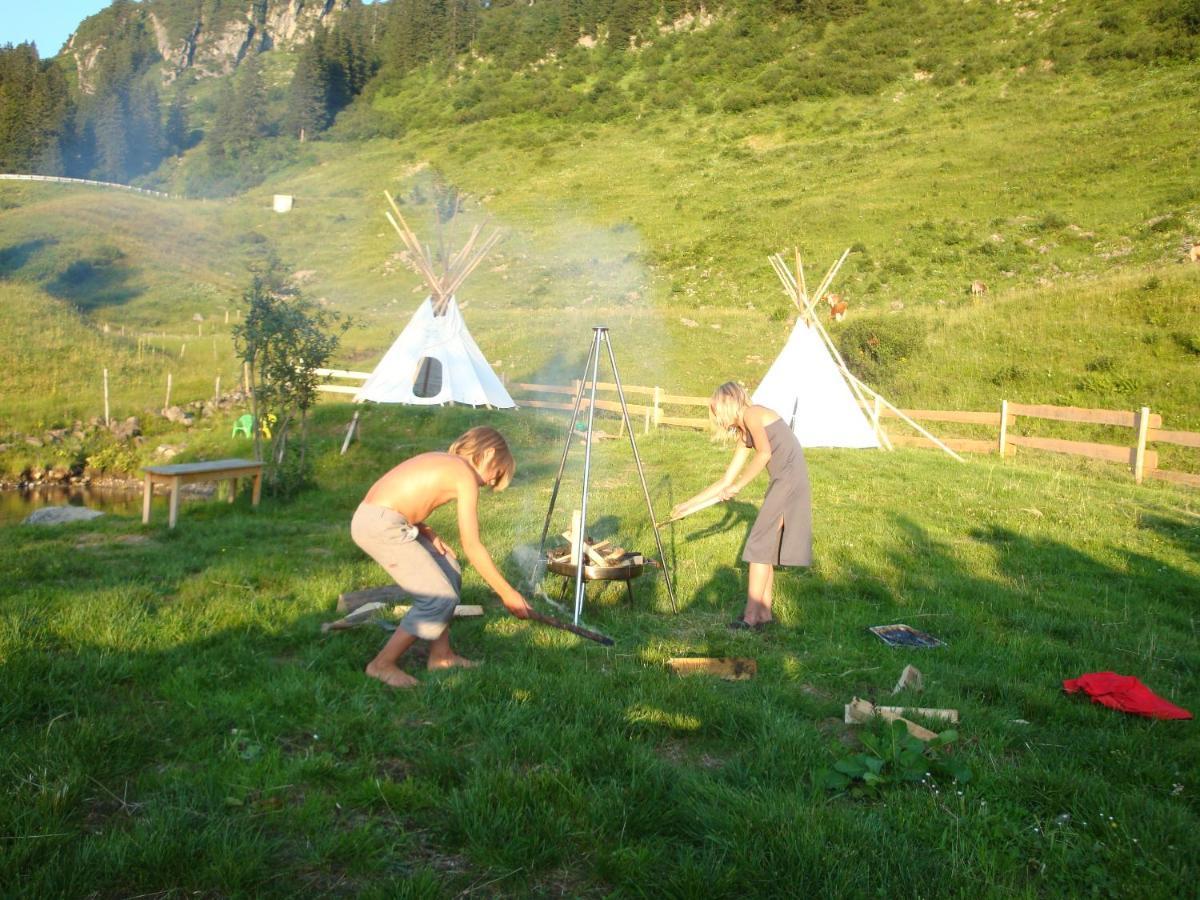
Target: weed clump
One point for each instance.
(876, 347)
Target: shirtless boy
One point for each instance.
(389, 526)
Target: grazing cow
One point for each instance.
(837, 307)
(1194, 253)
(978, 288)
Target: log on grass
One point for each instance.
(730, 668)
(391, 594)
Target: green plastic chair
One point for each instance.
(244, 425)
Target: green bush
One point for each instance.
(876, 347)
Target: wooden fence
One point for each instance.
(1138, 455)
(654, 407)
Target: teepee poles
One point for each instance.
(806, 312)
(899, 413)
(456, 270)
(860, 389)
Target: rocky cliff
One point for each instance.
(208, 37)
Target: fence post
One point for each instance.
(1139, 452)
(167, 405)
(107, 421)
(657, 410)
(246, 377)
(217, 391)
(1003, 427)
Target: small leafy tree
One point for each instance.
(284, 339)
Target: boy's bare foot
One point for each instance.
(452, 661)
(391, 675)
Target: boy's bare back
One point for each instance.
(418, 486)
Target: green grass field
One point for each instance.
(174, 722)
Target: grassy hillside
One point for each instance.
(173, 719)
(1069, 195)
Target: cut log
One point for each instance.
(729, 668)
(909, 678)
(859, 712)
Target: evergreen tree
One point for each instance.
(144, 128)
(112, 148)
(175, 134)
(217, 138)
(248, 112)
(306, 109)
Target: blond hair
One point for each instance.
(725, 408)
(472, 444)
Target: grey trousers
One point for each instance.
(433, 581)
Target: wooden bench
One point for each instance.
(185, 473)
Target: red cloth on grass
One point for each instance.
(1126, 693)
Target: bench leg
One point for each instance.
(232, 489)
(147, 493)
(257, 495)
(174, 503)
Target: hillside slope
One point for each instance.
(1070, 196)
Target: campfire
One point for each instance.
(602, 560)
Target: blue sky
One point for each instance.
(48, 22)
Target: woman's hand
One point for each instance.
(729, 491)
(679, 511)
(516, 605)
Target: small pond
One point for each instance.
(15, 505)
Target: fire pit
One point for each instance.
(604, 562)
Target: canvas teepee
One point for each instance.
(435, 360)
(810, 385)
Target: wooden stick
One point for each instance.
(829, 276)
(803, 282)
(576, 536)
(1139, 450)
(535, 616)
(107, 420)
(711, 501)
(924, 433)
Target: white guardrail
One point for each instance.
(107, 184)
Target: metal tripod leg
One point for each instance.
(599, 333)
(562, 463)
(641, 473)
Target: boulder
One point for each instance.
(60, 515)
(179, 415)
(130, 428)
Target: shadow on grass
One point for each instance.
(15, 256)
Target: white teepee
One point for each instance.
(810, 385)
(435, 360)
(806, 387)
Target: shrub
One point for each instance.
(876, 347)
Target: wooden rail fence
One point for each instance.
(1138, 455)
(655, 407)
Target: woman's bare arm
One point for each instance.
(740, 455)
(753, 420)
